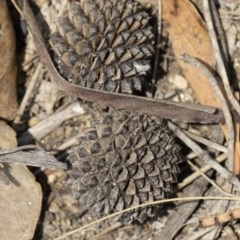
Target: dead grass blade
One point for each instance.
(184, 199)
(228, 117)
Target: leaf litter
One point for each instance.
(62, 213)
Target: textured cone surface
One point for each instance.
(104, 44)
(122, 161)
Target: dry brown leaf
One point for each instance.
(189, 34)
(21, 199)
(8, 69)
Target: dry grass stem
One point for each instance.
(205, 156)
(192, 155)
(228, 117)
(28, 63)
(206, 142)
(221, 67)
(69, 143)
(159, 30)
(208, 179)
(16, 6)
(28, 93)
(221, 35)
(196, 174)
(185, 199)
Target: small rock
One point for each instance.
(231, 37)
(186, 97)
(178, 81)
(47, 97)
(33, 121)
(170, 94)
(176, 98)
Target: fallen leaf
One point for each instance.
(8, 69)
(21, 199)
(188, 34)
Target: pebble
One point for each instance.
(178, 81)
(231, 38)
(33, 121)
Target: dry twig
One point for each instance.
(46, 126)
(210, 15)
(221, 66)
(196, 174)
(184, 211)
(185, 199)
(206, 142)
(32, 156)
(17, 7)
(208, 179)
(28, 93)
(228, 117)
(205, 156)
(159, 24)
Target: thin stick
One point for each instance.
(31, 156)
(205, 156)
(185, 199)
(159, 29)
(16, 6)
(197, 169)
(221, 66)
(195, 175)
(206, 142)
(28, 93)
(69, 142)
(47, 125)
(221, 36)
(228, 117)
